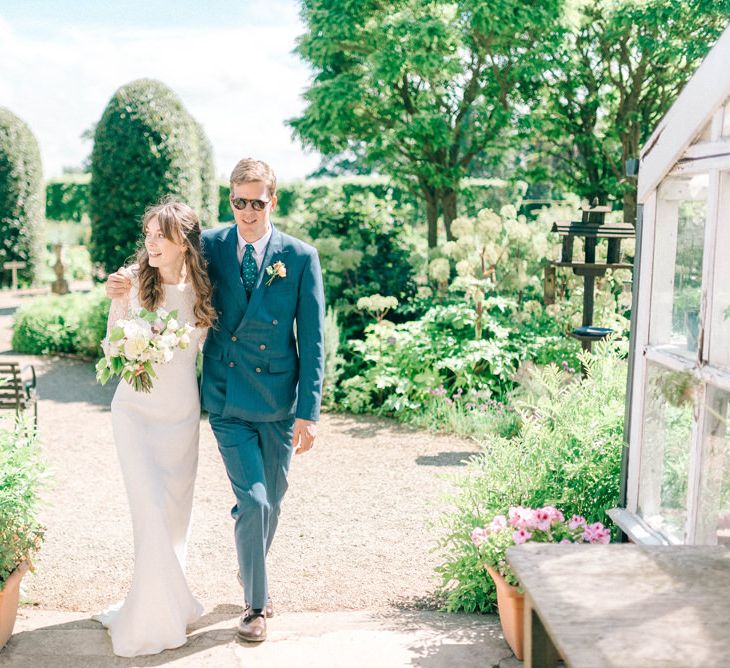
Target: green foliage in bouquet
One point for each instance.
(21, 194)
(567, 454)
(22, 475)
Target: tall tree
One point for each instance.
(612, 78)
(421, 88)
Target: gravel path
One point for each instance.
(354, 531)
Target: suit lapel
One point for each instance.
(274, 251)
(228, 248)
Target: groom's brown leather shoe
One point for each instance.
(268, 610)
(252, 626)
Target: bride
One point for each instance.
(156, 438)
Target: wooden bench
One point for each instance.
(18, 388)
(624, 605)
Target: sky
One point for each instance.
(231, 63)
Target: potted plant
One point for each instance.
(523, 525)
(21, 477)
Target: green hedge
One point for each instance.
(146, 146)
(67, 198)
(21, 196)
(73, 323)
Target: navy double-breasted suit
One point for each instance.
(263, 365)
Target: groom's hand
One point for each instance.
(305, 431)
(118, 284)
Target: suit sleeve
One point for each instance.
(310, 336)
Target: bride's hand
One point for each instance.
(119, 283)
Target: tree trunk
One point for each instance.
(448, 205)
(630, 205)
(432, 215)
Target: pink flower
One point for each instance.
(565, 541)
(521, 517)
(597, 533)
(498, 523)
(521, 536)
(576, 522)
(555, 515)
(479, 535)
(543, 519)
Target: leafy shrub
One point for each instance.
(67, 198)
(21, 479)
(332, 359)
(363, 250)
(146, 146)
(403, 369)
(21, 194)
(73, 323)
(567, 455)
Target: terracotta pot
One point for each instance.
(9, 602)
(511, 605)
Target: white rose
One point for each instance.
(168, 340)
(135, 345)
(172, 325)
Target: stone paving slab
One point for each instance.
(49, 639)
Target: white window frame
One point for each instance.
(712, 155)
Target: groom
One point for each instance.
(262, 380)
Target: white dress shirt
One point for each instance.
(259, 247)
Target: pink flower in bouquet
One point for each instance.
(521, 536)
(576, 521)
(597, 533)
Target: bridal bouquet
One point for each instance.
(137, 342)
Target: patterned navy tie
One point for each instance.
(249, 270)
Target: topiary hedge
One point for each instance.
(146, 146)
(21, 196)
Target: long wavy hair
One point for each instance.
(178, 223)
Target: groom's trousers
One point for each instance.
(256, 456)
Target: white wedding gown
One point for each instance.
(156, 438)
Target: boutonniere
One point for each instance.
(276, 270)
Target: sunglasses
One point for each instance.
(256, 204)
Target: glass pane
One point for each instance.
(668, 424)
(679, 248)
(713, 525)
(719, 353)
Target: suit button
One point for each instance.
(262, 346)
(275, 322)
(234, 338)
(258, 369)
(231, 364)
